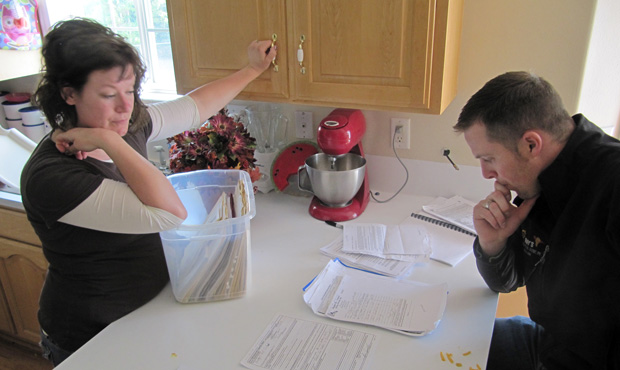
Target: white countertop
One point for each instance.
(285, 243)
(10, 200)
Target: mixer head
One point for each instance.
(341, 131)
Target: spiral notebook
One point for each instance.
(456, 210)
(442, 223)
(450, 244)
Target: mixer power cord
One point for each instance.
(406, 173)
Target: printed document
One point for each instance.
(456, 210)
(448, 245)
(293, 344)
(404, 306)
(405, 242)
(388, 267)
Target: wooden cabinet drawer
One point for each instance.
(22, 273)
(15, 225)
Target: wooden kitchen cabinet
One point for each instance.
(22, 273)
(210, 39)
(6, 321)
(373, 54)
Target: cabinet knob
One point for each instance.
(300, 54)
(274, 37)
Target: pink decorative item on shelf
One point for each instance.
(19, 29)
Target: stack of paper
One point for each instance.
(212, 266)
(456, 210)
(449, 245)
(386, 249)
(404, 306)
(388, 267)
(392, 250)
(405, 242)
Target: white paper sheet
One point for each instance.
(405, 242)
(456, 210)
(407, 239)
(405, 306)
(448, 246)
(364, 238)
(388, 267)
(290, 344)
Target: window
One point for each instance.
(144, 23)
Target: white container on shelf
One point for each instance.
(33, 124)
(34, 132)
(11, 111)
(3, 123)
(14, 123)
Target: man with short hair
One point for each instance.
(560, 237)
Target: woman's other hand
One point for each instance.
(77, 142)
(145, 180)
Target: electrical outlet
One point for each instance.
(303, 125)
(401, 141)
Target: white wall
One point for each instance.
(600, 95)
(18, 63)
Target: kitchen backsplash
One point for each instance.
(429, 134)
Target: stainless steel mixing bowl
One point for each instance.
(335, 179)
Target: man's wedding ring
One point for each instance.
(487, 204)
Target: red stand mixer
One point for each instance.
(339, 169)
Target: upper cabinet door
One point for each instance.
(397, 55)
(383, 54)
(210, 40)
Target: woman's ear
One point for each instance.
(531, 143)
(68, 95)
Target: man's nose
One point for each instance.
(488, 173)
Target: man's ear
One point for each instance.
(68, 94)
(531, 143)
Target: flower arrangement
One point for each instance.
(221, 143)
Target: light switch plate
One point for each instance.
(304, 128)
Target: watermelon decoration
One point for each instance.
(289, 159)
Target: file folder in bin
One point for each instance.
(210, 260)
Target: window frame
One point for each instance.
(147, 48)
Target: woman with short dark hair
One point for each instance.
(94, 199)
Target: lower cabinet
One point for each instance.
(22, 273)
(6, 321)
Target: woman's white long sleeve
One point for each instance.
(114, 207)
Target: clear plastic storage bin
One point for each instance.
(210, 260)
